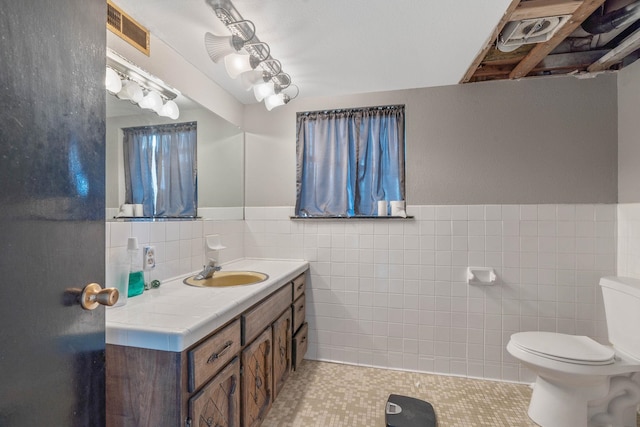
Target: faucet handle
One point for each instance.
(213, 264)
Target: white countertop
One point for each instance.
(176, 316)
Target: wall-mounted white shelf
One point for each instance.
(212, 243)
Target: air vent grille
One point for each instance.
(127, 28)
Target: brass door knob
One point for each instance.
(93, 295)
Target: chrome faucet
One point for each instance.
(208, 270)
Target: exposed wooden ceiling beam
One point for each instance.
(543, 49)
(627, 46)
(542, 8)
(487, 45)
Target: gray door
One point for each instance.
(52, 65)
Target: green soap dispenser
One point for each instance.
(136, 275)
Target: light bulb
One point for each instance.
(169, 109)
(250, 78)
(236, 64)
(274, 101)
(131, 91)
(112, 81)
(263, 90)
(152, 101)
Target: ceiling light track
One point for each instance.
(249, 58)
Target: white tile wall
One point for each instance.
(629, 239)
(392, 293)
(179, 244)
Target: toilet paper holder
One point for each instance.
(481, 276)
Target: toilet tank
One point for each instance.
(621, 297)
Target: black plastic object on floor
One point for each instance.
(403, 411)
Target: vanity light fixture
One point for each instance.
(139, 86)
(246, 56)
(279, 99)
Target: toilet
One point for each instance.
(580, 382)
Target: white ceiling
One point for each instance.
(337, 47)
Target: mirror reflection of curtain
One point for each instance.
(161, 169)
(348, 160)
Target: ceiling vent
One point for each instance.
(118, 22)
(539, 30)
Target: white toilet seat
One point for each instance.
(579, 350)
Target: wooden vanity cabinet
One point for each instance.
(228, 379)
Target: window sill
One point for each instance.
(350, 218)
(152, 219)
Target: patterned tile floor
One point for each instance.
(322, 394)
(335, 395)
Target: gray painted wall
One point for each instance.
(629, 134)
(548, 140)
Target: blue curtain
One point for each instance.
(348, 160)
(161, 169)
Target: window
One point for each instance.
(348, 160)
(160, 169)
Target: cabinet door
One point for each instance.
(257, 392)
(300, 343)
(218, 403)
(281, 351)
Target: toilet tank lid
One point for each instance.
(628, 285)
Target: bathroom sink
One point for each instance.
(228, 278)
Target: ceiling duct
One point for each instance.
(598, 23)
(127, 28)
(528, 31)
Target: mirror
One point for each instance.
(220, 156)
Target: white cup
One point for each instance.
(397, 208)
(118, 277)
(126, 210)
(138, 210)
(383, 209)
